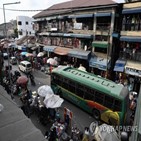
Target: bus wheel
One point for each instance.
(96, 114)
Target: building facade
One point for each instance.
(129, 61)
(82, 33)
(103, 36)
(25, 26)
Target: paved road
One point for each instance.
(80, 118)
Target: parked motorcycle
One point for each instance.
(32, 79)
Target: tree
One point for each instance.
(16, 32)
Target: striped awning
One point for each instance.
(49, 48)
(61, 50)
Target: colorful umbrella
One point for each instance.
(22, 80)
(40, 54)
(29, 55)
(52, 62)
(23, 53)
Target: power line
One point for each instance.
(49, 9)
(36, 10)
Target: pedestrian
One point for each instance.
(133, 103)
(86, 134)
(53, 135)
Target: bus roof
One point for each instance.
(93, 81)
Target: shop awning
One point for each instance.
(130, 39)
(119, 65)
(34, 48)
(133, 68)
(131, 11)
(56, 34)
(79, 54)
(102, 14)
(82, 36)
(98, 62)
(61, 50)
(44, 33)
(21, 48)
(115, 35)
(49, 48)
(100, 44)
(81, 16)
(84, 16)
(67, 35)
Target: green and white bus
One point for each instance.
(104, 99)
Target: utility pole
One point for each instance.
(7, 46)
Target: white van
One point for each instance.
(25, 66)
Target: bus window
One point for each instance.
(108, 102)
(117, 105)
(80, 90)
(55, 79)
(71, 86)
(88, 96)
(99, 97)
(65, 83)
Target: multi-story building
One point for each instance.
(25, 26)
(10, 27)
(129, 59)
(81, 32)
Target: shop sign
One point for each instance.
(135, 71)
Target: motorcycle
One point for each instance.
(32, 80)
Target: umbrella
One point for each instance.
(82, 68)
(40, 54)
(52, 62)
(23, 53)
(45, 91)
(29, 55)
(55, 101)
(106, 132)
(22, 80)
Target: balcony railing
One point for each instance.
(130, 56)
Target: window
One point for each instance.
(71, 86)
(118, 105)
(26, 23)
(88, 96)
(99, 97)
(19, 23)
(89, 93)
(20, 32)
(108, 102)
(65, 83)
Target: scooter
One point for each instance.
(32, 80)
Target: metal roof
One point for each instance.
(65, 7)
(14, 125)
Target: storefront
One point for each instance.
(133, 70)
(80, 57)
(119, 65)
(99, 65)
(49, 49)
(62, 54)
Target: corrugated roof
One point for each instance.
(24, 39)
(14, 125)
(66, 6)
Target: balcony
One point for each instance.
(128, 55)
(90, 32)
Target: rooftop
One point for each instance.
(14, 125)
